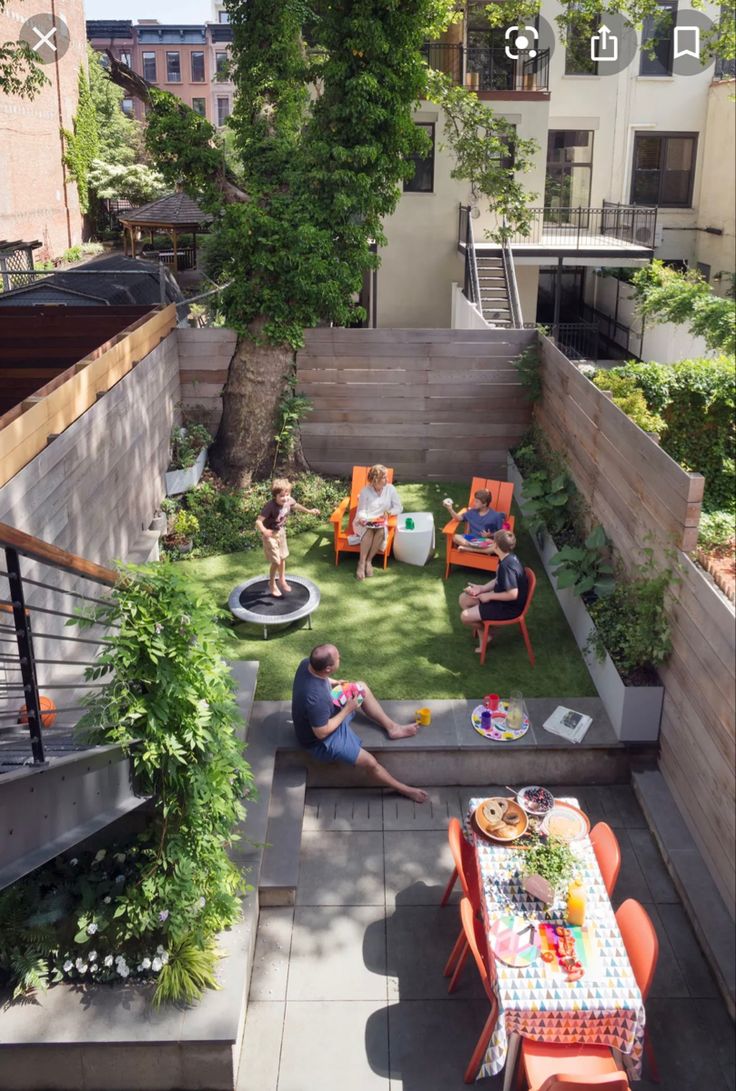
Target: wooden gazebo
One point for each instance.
(175, 214)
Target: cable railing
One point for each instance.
(43, 681)
(489, 69)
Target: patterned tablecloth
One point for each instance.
(603, 1008)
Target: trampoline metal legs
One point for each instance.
(309, 626)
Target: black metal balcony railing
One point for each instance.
(485, 69)
(611, 226)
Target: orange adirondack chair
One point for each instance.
(349, 505)
(501, 495)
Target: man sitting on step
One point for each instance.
(322, 708)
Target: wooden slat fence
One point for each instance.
(204, 360)
(434, 404)
(643, 498)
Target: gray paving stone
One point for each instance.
(343, 809)
(271, 961)
(715, 924)
(400, 813)
(656, 874)
(418, 866)
(668, 979)
(341, 869)
(440, 733)
(431, 1042)
(690, 958)
(622, 807)
(687, 1047)
(631, 881)
(261, 1050)
(420, 939)
(338, 953)
(334, 1046)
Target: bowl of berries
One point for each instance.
(536, 801)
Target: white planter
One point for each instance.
(178, 481)
(634, 711)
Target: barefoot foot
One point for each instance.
(274, 591)
(401, 731)
(417, 794)
(285, 586)
(360, 573)
(369, 569)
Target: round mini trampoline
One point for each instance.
(252, 601)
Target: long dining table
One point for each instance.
(603, 1007)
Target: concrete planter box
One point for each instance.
(634, 711)
(178, 481)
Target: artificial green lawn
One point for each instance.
(400, 630)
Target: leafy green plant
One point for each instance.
(666, 295)
(184, 525)
(628, 396)
(632, 624)
(717, 530)
(586, 569)
(528, 368)
(186, 444)
(82, 143)
(292, 409)
(551, 858)
(72, 254)
(546, 500)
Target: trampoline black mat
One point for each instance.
(257, 599)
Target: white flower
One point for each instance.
(158, 627)
(119, 958)
(146, 964)
(81, 965)
(119, 857)
(91, 929)
(156, 965)
(109, 960)
(107, 900)
(201, 903)
(160, 949)
(123, 970)
(68, 965)
(165, 957)
(163, 915)
(94, 968)
(100, 855)
(91, 957)
(74, 862)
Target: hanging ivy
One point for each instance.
(82, 144)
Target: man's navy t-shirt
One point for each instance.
(311, 704)
(511, 574)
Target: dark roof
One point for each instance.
(97, 286)
(175, 209)
(109, 28)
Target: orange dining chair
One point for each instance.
(642, 947)
(501, 495)
(466, 869)
(607, 853)
(612, 1081)
(476, 942)
(520, 621)
(348, 505)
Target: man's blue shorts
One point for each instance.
(341, 745)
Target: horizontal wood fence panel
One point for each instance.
(434, 404)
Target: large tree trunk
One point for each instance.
(245, 447)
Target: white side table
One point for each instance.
(414, 546)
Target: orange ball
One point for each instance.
(48, 712)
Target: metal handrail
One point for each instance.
(471, 289)
(511, 285)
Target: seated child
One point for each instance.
(271, 525)
(481, 522)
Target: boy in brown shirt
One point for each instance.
(271, 525)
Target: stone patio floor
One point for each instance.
(347, 989)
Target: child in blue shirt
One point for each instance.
(481, 522)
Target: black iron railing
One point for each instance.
(578, 340)
(43, 658)
(619, 226)
(471, 286)
(483, 68)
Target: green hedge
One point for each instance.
(696, 399)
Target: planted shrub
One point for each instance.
(186, 444)
(586, 569)
(149, 907)
(629, 398)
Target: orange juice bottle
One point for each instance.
(575, 903)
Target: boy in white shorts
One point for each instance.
(271, 525)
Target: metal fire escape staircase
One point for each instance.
(490, 279)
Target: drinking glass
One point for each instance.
(515, 714)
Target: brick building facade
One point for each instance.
(189, 60)
(38, 198)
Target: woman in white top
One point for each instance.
(376, 502)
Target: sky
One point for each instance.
(166, 11)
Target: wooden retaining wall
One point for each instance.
(204, 359)
(643, 498)
(435, 404)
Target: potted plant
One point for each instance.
(184, 526)
(547, 864)
(188, 456)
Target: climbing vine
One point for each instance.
(82, 144)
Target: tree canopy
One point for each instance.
(666, 295)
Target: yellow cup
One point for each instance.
(423, 717)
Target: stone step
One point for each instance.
(280, 867)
